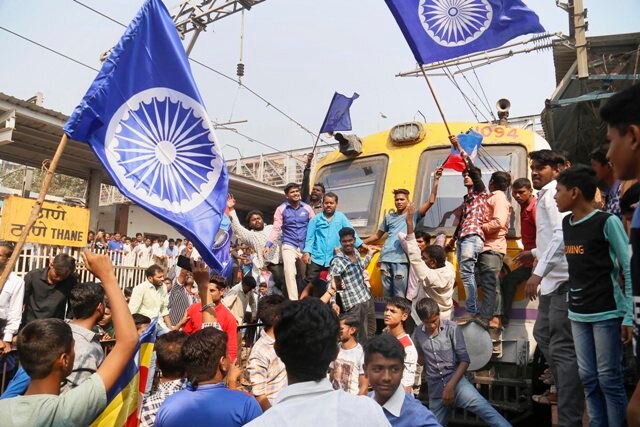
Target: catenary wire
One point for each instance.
(226, 76)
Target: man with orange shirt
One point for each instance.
(494, 228)
(193, 316)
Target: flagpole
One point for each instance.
(313, 150)
(35, 211)
(435, 98)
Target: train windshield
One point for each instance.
(358, 184)
(442, 215)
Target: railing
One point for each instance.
(39, 256)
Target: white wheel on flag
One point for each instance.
(453, 23)
(160, 145)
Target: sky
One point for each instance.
(296, 54)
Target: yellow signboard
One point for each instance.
(57, 224)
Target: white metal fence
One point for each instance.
(39, 256)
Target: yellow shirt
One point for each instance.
(150, 301)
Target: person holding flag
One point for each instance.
(469, 232)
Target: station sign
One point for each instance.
(57, 224)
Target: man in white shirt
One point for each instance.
(240, 297)
(306, 341)
(256, 237)
(144, 253)
(435, 276)
(159, 251)
(11, 299)
(552, 329)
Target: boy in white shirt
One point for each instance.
(347, 371)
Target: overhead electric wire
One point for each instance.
(468, 100)
(488, 107)
(49, 49)
(250, 139)
(269, 103)
(483, 93)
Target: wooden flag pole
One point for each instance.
(435, 98)
(313, 150)
(8, 268)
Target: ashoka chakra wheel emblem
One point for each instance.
(452, 23)
(160, 146)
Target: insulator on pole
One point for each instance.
(240, 69)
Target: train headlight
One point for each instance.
(350, 145)
(407, 133)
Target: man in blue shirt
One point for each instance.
(322, 240)
(394, 264)
(116, 244)
(443, 353)
(383, 367)
(206, 400)
(290, 222)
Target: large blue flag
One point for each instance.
(145, 120)
(437, 30)
(338, 117)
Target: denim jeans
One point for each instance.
(552, 332)
(467, 397)
(488, 268)
(599, 351)
(469, 247)
(394, 278)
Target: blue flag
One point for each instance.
(222, 247)
(338, 117)
(470, 142)
(144, 118)
(437, 30)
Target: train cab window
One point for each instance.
(359, 184)
(442, 215)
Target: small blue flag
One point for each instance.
(338, 117)
(470, 142)
(144, 118)
(437, 30)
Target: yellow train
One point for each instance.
(363, 172)
(406, 157)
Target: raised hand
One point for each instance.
(231, 202)
(438, 173)
(201, 274)
(98, 264)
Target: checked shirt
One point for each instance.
(352, 274)
(474, 209)
(152, 403)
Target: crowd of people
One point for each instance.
(320, 358)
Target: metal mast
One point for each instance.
(193, 16)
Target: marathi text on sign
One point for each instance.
(57, 224)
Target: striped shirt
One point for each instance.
(179, 301)
(266, 371)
